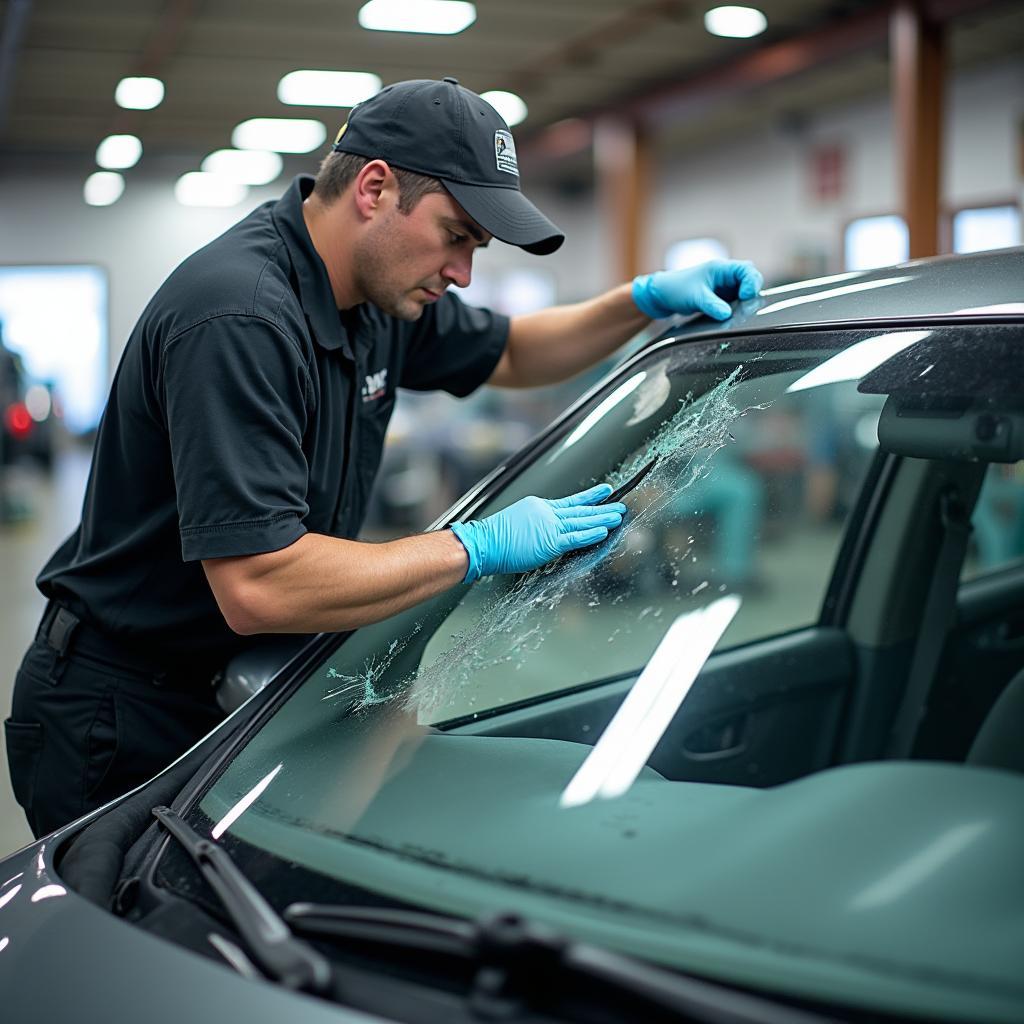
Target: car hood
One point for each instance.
(62, 958)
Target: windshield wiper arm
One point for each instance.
(519, 961)
(276, 951)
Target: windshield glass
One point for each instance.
(746, 473)
(457, 756)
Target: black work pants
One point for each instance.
(84, 730)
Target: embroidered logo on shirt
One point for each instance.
(505, 152)
(376, 385)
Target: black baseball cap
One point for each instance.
(445, 131)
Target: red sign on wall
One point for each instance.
(828, 173)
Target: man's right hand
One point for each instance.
(533, 531)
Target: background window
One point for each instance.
(989, 227)
(55, 319)
(691, 251)
(512, 292)
(997, 537)
(876, 242)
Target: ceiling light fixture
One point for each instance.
(118, 152)
(435, 17)
(197, 188)
(327, 88)
(103, 188)
(735, 22)
(508, 104)
(244, 166)
(280, 134)
(139, 93)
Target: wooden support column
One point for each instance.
(622, 160)
(918, 63)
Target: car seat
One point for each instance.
(1000, 740)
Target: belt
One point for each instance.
(68, 635)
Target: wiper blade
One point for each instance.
(520, 962)
(276, 951)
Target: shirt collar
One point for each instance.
(314, 283)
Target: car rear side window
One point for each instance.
(997, 523)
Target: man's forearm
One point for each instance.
(325, 584)
(554, 344)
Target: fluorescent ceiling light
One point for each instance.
(327, 88)
(118, 152)
(244, 166)
(103, 188)
(200, 189)
(858, 360)
(280, 134)
(139, 93)
(735, 22)
(508, 104)
(436, 17)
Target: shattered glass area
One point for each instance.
(596, 612)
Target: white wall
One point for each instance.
(752, 193)
(138, 240)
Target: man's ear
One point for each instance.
(371, 183)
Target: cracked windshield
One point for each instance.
(753, 456)
(746, 488)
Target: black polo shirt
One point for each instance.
(245, 412)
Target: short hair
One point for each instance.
(339, 170)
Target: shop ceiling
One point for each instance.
(650, 60)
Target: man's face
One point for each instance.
(403, 262)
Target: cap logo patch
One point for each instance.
(505, 152)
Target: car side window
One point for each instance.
(757, 508)
(997, 535)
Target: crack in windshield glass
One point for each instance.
(515, 620)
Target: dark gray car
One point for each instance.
(757, 757)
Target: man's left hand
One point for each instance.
(700, 289)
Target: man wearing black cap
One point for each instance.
(245, 426)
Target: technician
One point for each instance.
(245, 426)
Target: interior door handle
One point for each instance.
(1006, 635)
(718, 740)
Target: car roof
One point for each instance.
(985, 286)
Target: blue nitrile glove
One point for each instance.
(697, 290)
(533, 531)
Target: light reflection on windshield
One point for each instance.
(624, 747)
(858, 360)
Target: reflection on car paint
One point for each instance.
(832, 293)
(517, 621)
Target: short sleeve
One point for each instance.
(236, 393)
(454, 347)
